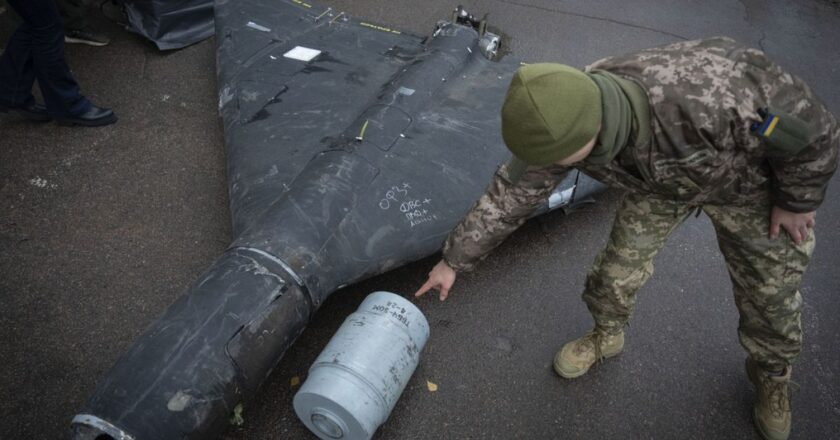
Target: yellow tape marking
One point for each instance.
(380, 28)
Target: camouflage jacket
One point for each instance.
(704, 96)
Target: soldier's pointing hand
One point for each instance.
(441, 278)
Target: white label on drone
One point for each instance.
(302, 53)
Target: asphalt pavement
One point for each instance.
(101, 229)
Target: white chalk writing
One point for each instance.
(416, 210)
(394, 195)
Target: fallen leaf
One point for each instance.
(236, 418)
(295, 381)
(432, 386)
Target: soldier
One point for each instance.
(707, 125)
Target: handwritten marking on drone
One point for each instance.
(415, 210)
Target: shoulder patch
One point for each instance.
(784, 133)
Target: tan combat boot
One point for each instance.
(576, 357)
(771, 412)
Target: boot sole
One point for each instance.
(71, 40)
(565, 375)
(83, 123)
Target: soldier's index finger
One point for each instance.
(424, 288)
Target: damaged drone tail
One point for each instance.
(210, 351)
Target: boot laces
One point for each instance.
(779, 395)
(592, 342)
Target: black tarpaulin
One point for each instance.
(171, 24)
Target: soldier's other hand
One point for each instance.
(798, 225)
(440, 278)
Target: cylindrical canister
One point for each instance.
(356, 381)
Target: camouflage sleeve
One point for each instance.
(801, 179)
(802, 164)
(513, 194)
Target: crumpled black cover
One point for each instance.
(171, 24)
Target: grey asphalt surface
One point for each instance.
(101, 229)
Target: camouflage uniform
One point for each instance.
(703, 97)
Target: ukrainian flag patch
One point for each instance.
(766, 129)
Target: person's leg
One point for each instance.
(60, 90)
(642, 225)
(765, 276)
(17, 74)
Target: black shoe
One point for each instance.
(114, 11)
(33, 112)
(95, 117)
(85, 36)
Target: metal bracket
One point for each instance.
(488, 43)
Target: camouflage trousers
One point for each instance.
(765, 273)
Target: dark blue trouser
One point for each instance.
(36, 51)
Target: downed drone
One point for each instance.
(352, 148)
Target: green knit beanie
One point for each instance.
(550, 112)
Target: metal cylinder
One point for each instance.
(356, 381)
